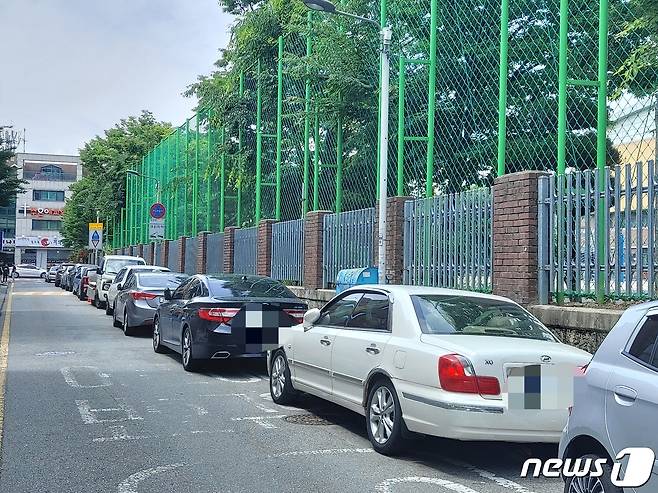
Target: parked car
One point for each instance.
(616, 401)
(427, 360)
(85, 274)
(77, 278)
(29, 270)
(139, 297)
(100, 283)
(121, 277)
(224, 316)
(67, 277)
(59, 273)
(52, 272)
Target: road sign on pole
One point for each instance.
(156, 229)
(95, 236)
(158, 211)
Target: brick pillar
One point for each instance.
(264, 248)
(152, 253)
(313, 238)
(165, 253)
(229, 237)
(182, 243)
(202, 252)
(394, 239)
(515, 228)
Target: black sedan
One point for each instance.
(224, 316)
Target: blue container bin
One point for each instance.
(352, 277)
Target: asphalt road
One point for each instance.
(88, 409)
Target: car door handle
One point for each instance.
(372, 350)
(325, 342)
(625, 395)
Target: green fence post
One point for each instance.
(186, 212)
(502, 85)
(195, 182)
(259, 143)
(143, 202)
(316, 160)
(402, 79)
(431, 101)
(601, 145)
(209, 170)
(279, 130)
(222, 182)
(307, 117)
(339, 163)
(176, 190)
(239, 182)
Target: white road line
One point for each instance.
(68, 372)
(505, 483)
(55, 353)
(88, 414)
(252, 379)
(330, 451)
(385, 486)
(129, 485)
(260, 420)
(119, 433)
(259, 406)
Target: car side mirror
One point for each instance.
(310, 317)
(99, 272)
(119, 287)
(167, 294)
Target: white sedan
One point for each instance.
(440, 362)
(29, 270)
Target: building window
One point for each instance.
(46, 225)
(52, 171)
(48, 195)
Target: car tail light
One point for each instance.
(456, 374)
(297, 314)
(220, 315)
(138, 295)
(84, 281)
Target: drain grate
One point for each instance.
(306, 419)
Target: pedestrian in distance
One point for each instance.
(13, 272)
(5, 273)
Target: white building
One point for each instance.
(39, 209)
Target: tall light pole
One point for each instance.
(385, 34)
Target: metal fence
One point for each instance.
(215, 253)
(245, 244)
(191, 252)
(174, 253)
(448, 241)
(347, 242)
(597, 238)
(288, 251)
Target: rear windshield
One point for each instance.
(466, 315)
(248, 288)
(159, 280)
(113, 266)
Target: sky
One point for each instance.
(73, 68)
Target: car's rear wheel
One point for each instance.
(100, 304)
(94, 301)
(157, 346)
(128, 330)
(189, 363)
(82, 296)
(589, 484)
(281, 388)
(384, 418)
(43, 275)
(108, 309)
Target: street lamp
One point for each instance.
(385, 34)
(157, 182)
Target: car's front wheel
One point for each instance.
(281, 388)
(589, 484)
(108, 309)
(157, 345)
(384, 418)
(115, 322)
(189, 362)
(43, 275)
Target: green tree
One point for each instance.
(105, 160)
(10, 184)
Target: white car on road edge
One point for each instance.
(29, 270)
(428, 360)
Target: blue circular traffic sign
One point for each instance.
(158, 211)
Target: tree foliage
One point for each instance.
(10, 184)
(105, 161)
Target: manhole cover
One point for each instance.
(306, 419)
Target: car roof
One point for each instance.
(427, 290)
(235, 277)
(147, 267)
(121, 257)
